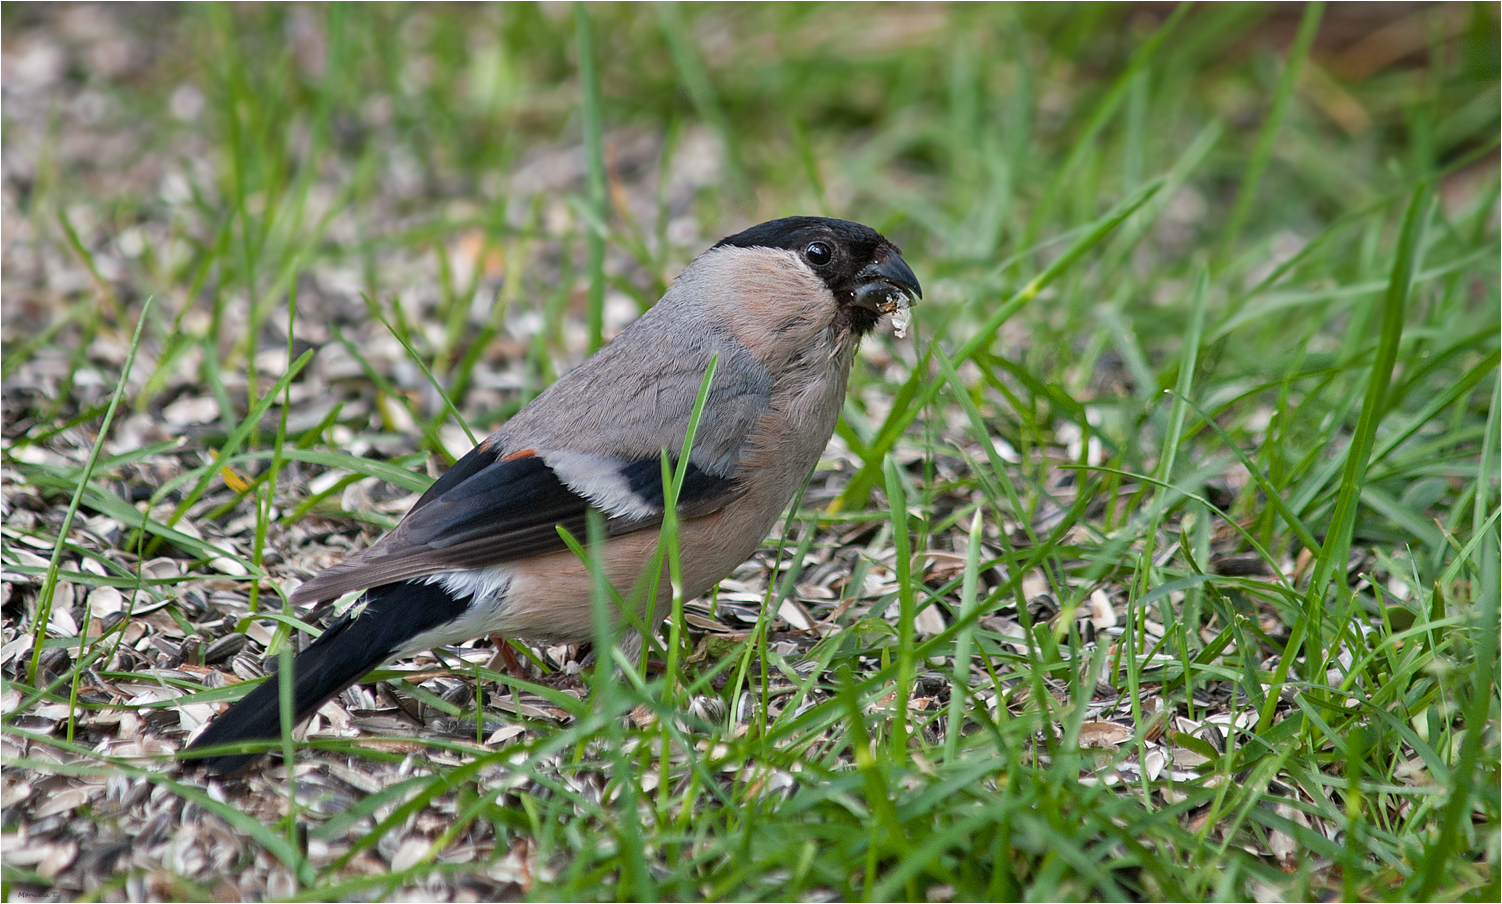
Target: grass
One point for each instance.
(1173, 531)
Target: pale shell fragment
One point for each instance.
(897, 305)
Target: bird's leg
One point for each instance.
(506, 656)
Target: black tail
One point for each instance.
(359, 641)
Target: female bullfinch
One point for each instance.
(780, 308)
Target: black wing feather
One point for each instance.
(699, 486)
(490, 509)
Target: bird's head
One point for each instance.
(865, 272)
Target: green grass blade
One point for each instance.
(1267, 136)
(1333, 552)
(594, 148)
(920, 394)
(43, 611)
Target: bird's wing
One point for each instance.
(506, 499)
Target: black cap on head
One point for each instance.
(855, 261)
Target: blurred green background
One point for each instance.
(1304, 249)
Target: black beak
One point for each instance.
(879, 283)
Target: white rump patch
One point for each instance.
(488, 590)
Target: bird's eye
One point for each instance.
(818, 254)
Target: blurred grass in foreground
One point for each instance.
(1211, 331)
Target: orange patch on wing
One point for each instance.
(524, 453)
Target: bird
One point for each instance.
(780, 310)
